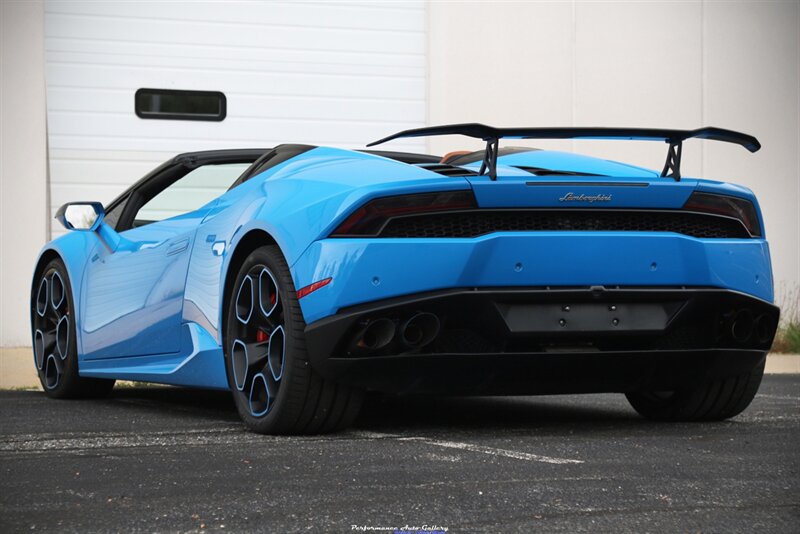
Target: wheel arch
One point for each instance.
(46, 256)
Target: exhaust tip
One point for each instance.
(742, 326)
(764, 328)
(375, 335)
(421, 329)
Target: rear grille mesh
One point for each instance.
(480, 222)
(447, 170)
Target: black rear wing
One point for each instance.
(492, 136)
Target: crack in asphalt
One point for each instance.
(81, 442)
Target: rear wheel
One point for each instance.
(714, 399)
(55, 347)
(274, 387)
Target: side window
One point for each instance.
(191, 192)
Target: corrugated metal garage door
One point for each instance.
(317, 73)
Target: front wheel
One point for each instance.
(55, 347)
(274, 387)
(714, 399)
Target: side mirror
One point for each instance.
(81, 216)
(88, 217)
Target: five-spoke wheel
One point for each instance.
(54, 346)
(51, 329)
(258, 344)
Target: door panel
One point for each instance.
(134, 296)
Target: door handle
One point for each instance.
(178, 247)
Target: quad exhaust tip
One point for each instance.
(376, 335)
(419, 330)
(763, 328)
(416, 332)
(742, 326)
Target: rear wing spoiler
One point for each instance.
(492, 136)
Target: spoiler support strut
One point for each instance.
(490, 158)
(672, 167)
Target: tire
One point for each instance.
(714, 399)
(55, 346)
(276, 391)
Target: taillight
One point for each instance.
(737, 208)
(369, 219)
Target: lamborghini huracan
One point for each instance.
(302, 277)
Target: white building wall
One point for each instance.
(650, 63)
(23, 164)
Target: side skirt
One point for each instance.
(200, 363)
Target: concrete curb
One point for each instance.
(783, 364)
(17, 369)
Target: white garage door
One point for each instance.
(339, 74)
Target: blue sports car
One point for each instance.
(302, 277)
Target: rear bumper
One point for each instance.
(374, 269)
(549, 340)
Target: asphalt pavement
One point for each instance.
(160, 459)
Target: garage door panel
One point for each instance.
(123, 125)
(278, 83)
(188, 143)
(177, 31)
(63, 193)
(233, 52)
(88, 99)
(121, 156)
(110, 172)
(227, 64)
(395, 111)
(386, 16)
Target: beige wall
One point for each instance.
(23, 162)
(663, 64)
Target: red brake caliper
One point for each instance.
(261, 336)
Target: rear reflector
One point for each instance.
(302, 292)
